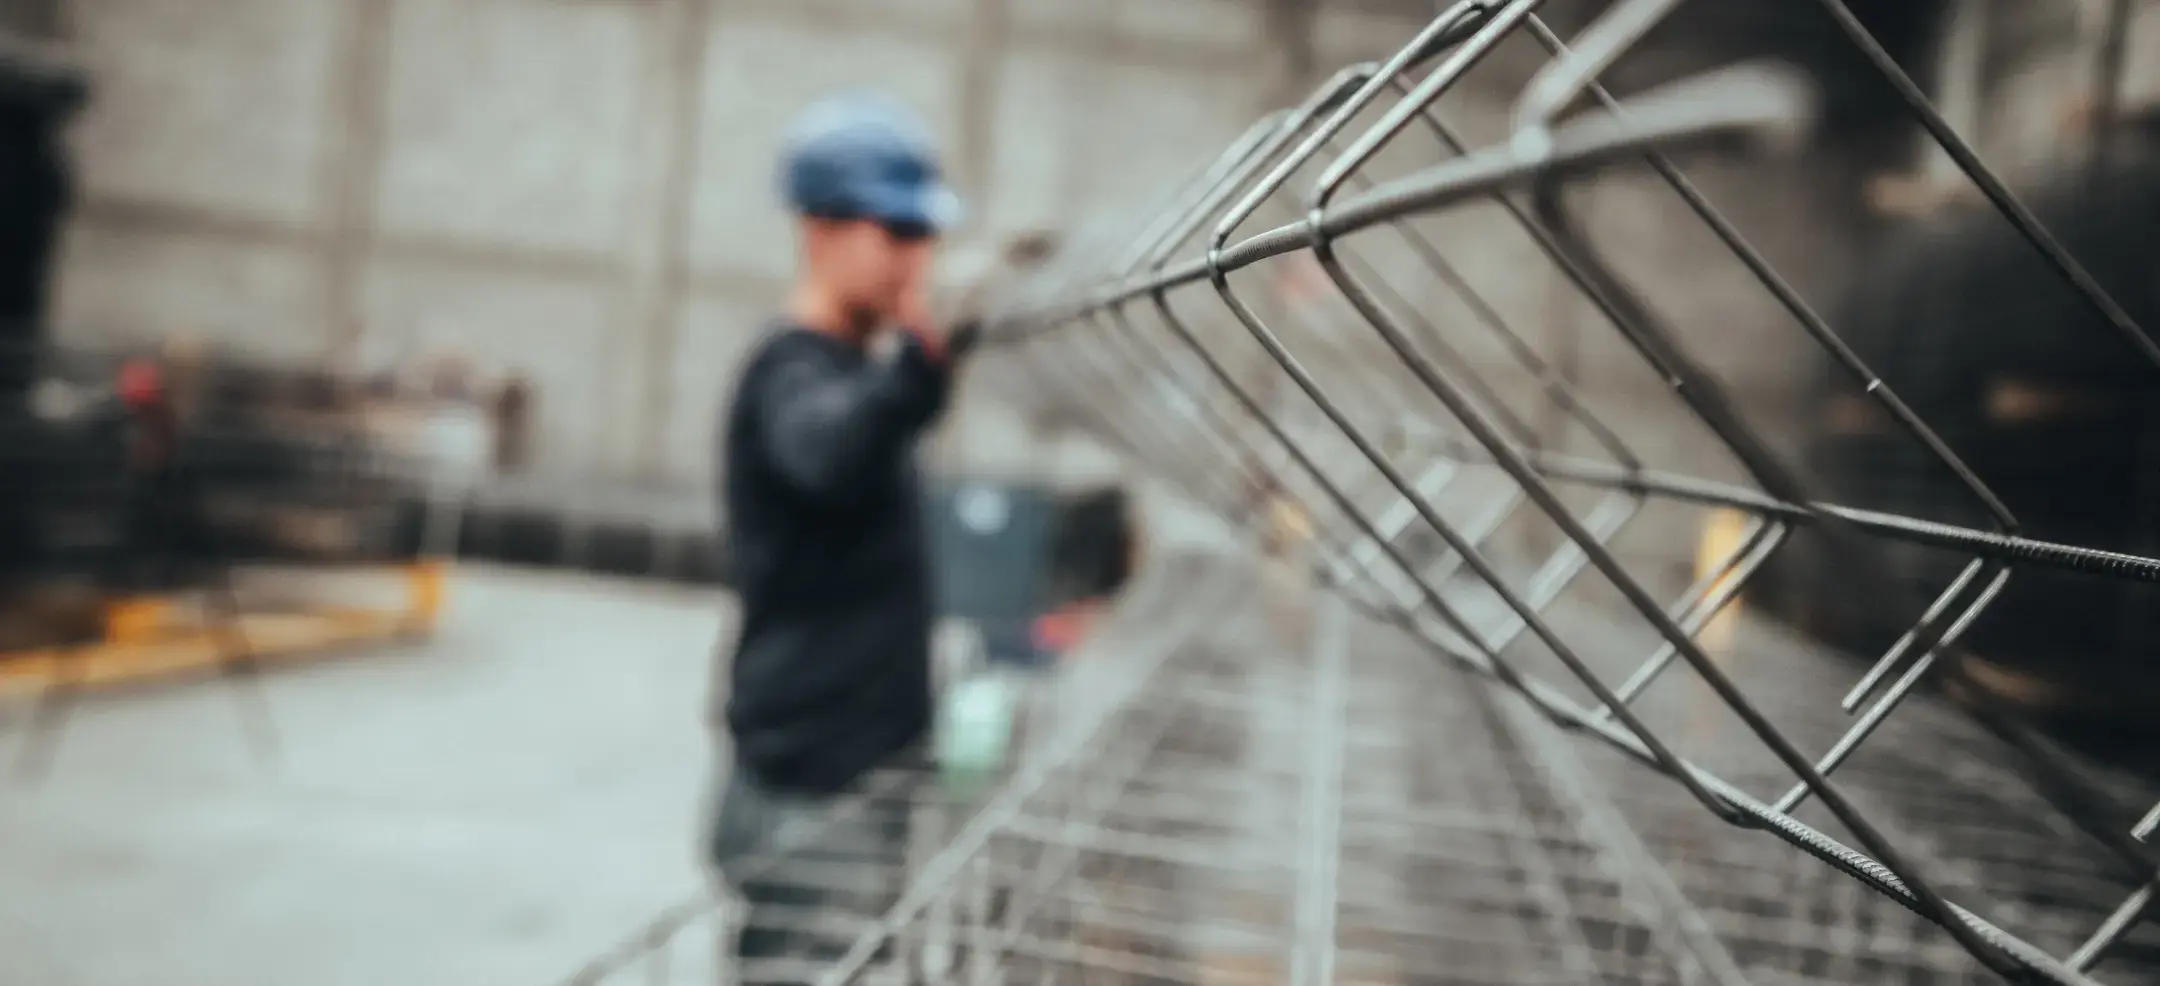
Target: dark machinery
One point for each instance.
(37, 97)
(125, 477)
(2046, 406)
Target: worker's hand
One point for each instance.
(913, 317)
(949, 343)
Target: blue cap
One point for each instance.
(865, 156)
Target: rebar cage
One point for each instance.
(1375, 790)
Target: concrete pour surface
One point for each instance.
(492, 806)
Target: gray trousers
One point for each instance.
(811, 871)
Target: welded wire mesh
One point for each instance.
(1237, 784)
(1251, 396)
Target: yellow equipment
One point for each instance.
(155, 638)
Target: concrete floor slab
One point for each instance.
(491, 806)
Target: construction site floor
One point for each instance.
(1286, 794)
(490, 806)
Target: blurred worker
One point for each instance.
(513, 424)
(163, 536)
(830, 675)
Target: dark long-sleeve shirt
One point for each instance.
(831, 665)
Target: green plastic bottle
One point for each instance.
(973, 733)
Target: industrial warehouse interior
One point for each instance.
(1624, 492)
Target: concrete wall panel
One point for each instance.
(1215, 24)
(1053, 18)
(1034, 166)
(561, 333)
(922, 17)
(130, 287)
(511, 120)
(761, 72)
(520, 172)
(1345, 35)
(1145, 126)
(714, 335)
(209, 105)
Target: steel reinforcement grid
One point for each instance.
(1467, 761)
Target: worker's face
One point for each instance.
(872, 266)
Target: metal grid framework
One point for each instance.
(1244, 787)
(1336, 452)
(1235, 785)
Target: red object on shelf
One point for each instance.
(1060, 631)
(140, 383)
